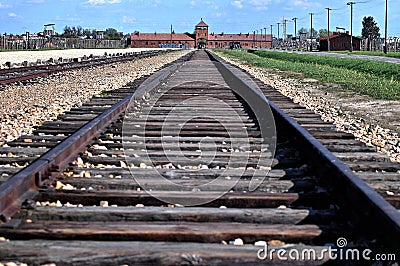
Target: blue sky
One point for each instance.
(17, 16)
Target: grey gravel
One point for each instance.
(374, 122)
(23, 107)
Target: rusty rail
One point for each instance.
(350, 188)
(376, 208)
(24, 184)
(33, 72)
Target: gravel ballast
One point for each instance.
(374, 122)
(23, 107)
(33, 56)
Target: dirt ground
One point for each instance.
(385, 113)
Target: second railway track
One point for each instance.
(26, 73)
(169, 182)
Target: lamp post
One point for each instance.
(272, 35)
(265, 29)
(295, 27)
(329, 40)
(278, 31)
(256, 38)
(351, 24)
(261, 39)
(311, 33)
(386, 28)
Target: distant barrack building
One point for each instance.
(200, 39)
(340, 42)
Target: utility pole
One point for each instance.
(329, 40)
(284, 28)
(265, 29)
(311, 32)
(261, 38)
(295, 27)
(254, 39)
(351, 24)
(171, 37)
(278, 31)
(272, 35)
(386, 28)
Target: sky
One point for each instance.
(229, 16)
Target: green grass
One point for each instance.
(377, 82)
(372, 53)
(382, 69)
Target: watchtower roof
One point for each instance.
(201, 24)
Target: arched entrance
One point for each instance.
(202, 43)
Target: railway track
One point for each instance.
(43, 69)
(162, 171)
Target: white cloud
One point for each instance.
(260, 4)
(212, 5)
(101, 2)
(304, 4)
(14, 15)
(218, 14)
(127, 20)
(36, 1)
(156, 3)
(4, 6)
(237, 4)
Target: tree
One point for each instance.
(73, 32)
(306, 32)
(67, 32)
(323, 33)
(112, 34)
(303, 33)
(314, 34)
(370, 30)
(79, 31)
(89, 34)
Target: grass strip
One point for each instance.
(376, 86)
(370, 53)
(383, 69)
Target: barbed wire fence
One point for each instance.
(13, 43)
